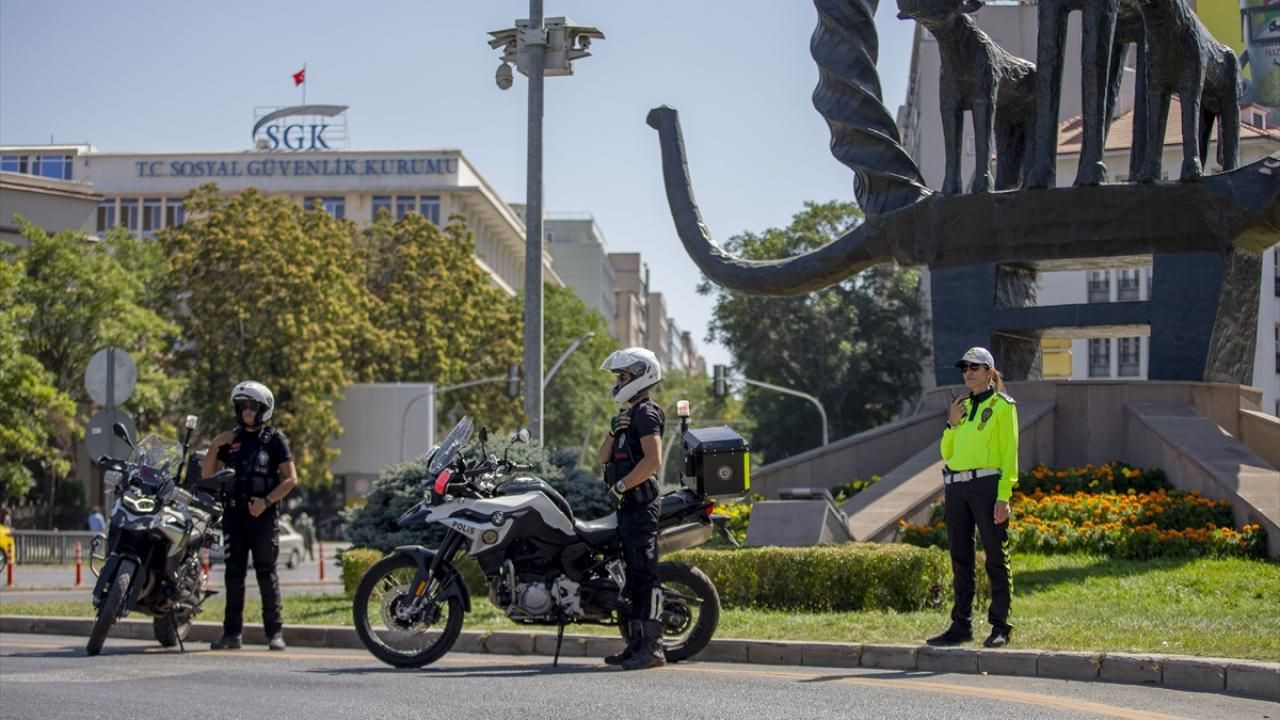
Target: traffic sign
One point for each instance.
(111, 375)
(99, 439)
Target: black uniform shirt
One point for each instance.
(646, 419)
(256, 455)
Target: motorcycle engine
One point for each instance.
(538, 601)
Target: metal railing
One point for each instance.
(49, 546)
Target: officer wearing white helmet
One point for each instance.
(632, 456)
(265, 475)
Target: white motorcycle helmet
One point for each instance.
(256, 391)
(643, 367)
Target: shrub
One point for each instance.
(355, 563)
(861, 576)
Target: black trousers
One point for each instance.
(969, 505)
(261, 536)
(638, 532)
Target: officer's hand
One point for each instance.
(257, 506)
(1001, 512)
(620, 423)
(957, 412)
(223, 439)
(616, 489)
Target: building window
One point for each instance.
(1100, 357)
(1130, 357)
(174, 213)
(381, 203)
(335, 206)
(152, 211)
(430, 208)
(1099, 286)
(13, 163)
(404, 205)
(106, 215)
(57, 167)
(1276, 345)
(1127, 286)
(129, 214)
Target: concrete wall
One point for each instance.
(1260, 432)
(874, 452)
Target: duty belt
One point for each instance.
(960, 476)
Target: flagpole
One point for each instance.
(304, 83)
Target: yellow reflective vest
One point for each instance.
(986, 438)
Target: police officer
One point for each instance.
(265, 474)
(632, 456)
(980, 445)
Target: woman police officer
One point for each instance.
(980, 445)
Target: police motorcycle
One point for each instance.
(152, 561)
(542, 566)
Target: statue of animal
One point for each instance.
(979, 76)
(1183, 58)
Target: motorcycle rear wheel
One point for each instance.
(404, 644)
(110, 610)
(166, 635)
(690, 611)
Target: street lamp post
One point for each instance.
(537, 48)
(797, 393)
(404, 417)
(565, 356)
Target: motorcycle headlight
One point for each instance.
(142, 505)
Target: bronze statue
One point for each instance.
(1184, 58)
(978, 75)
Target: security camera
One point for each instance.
(503, 77)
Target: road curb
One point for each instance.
(1240, 677)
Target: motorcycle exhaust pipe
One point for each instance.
(683, 537)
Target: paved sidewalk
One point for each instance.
(1242, 677)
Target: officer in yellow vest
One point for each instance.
(980, 445)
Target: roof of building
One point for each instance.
(48, 186)
(1120, 137)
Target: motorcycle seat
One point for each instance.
(598, 532)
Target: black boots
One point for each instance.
(276, 642)
(954, 635)
(228, 641)
(634, 631)
(999, 636)
(649, 653)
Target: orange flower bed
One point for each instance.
(1066, 511)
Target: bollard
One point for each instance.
(79, 579)
(8, 574)
(204, 560)
(320, 557)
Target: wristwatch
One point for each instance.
(620, 487)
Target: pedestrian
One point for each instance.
(632, 456)
(307, 529)
(97, 523)
(980, 445)
(265, 475)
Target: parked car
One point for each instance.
(291, 552)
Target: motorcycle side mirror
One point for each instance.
(122, 433)
(484, 435)
(522, 436)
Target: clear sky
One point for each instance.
(164, 76)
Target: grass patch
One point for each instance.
(1212, 607)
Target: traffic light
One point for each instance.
(719, 386)
(513, 380)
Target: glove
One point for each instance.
(615, 425)
(618, 489)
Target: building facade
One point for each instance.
(577, 244)
(52, 204)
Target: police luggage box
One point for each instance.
(717, 462)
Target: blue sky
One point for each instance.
(149, 76)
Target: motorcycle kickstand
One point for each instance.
(173, 622)
(555, 662)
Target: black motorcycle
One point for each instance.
(542, 566)
(152, 561)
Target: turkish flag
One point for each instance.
(299, 77)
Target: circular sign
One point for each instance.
(100, 439)
(110, 366)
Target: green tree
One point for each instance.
(857, 345)
(437, 316)
(272, 292)
(576, 403)
(86, 300)
(36, 418)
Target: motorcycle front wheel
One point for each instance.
(391, 635)
(110, 610)
(690, 611)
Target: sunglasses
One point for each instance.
(966, 367)
(253, 405)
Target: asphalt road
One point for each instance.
(49, 677)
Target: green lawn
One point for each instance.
(1225, 608)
